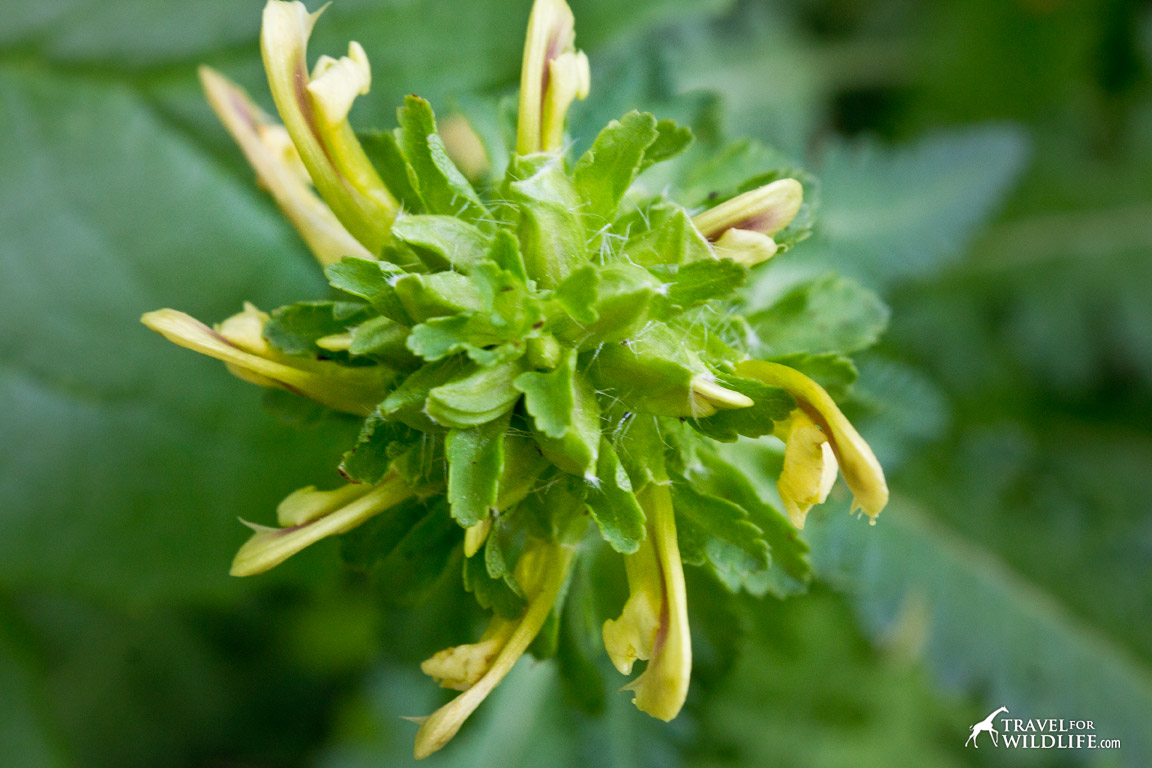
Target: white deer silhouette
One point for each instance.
(985, 725)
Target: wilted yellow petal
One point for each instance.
(272, 155)
(809, 468)
(633, 636)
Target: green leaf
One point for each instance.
(651, 373)
(475, 462)
(605, 172)
(382, 338)
(791, 569)
(671, 139)
(475, 396)
(828, 315)
(500, 594)
(773, 404)
(692, 284)
(605, 304)
(612, 503)
(380, 442)
(435, 295)
(565, 415)
(669, 238)
(552, 234)
(406, 402)
(442, 187)
(718, 532)
(372, 281)
(384, 152)
(504, 252)
(442, 242)
(294, 329)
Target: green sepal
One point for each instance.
(442, 242)
(651, 373)
(500, 594)
(406, 402)
(441, 186)
(475, 463)
(294, 329)
(384, 151)
(612, 503)
(476, 396)
(690, 285)
(379, 443)
(436, 295)
(605, 172)
(641, 449)
(670, 237)
(553, 238)
(671, 140)
(381, 338)
(565, 415)
(370, 280)
(604, 304)
(772, 404)
(504, 252)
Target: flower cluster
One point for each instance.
(541, 357)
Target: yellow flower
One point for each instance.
(553, 75)
(314, 109)
(478, 668)
(279, 169)
(239, 343)
(804, 478)
(654, 623)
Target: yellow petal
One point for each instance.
(269, 547)
(272, 155)
(766, 210)
(307, 504)
(857, 463)
(708, 397)
(809, 468)
(633, 635)
(745, 247)
(461, 666)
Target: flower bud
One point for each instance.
(741, 229)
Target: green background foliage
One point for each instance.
(982, 165)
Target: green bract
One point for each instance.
(536, 357)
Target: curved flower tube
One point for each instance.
(315, 113)
(553, 75)
(857, 463)
(654, 623)
(325, 513)
(238, 343)
(478, 668)
(272, 155)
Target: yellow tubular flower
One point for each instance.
(741, 228)
(552, 76)
(238, 343)
(315, 112)
(328, 516)
(809, 468)
(858, 464)
(654, 622)
(479, 668)
(272, 155)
